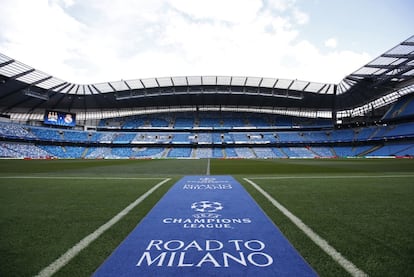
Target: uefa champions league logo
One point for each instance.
(206, 209)
(206, 216)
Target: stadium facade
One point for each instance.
(370, 113)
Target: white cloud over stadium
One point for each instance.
(102, 40)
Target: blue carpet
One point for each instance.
(205, 226)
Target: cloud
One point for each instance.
(331, 43)
(40, 34)
(332, 66)
(280, 5)
(232, 11)
(93, 41)
(300, 17)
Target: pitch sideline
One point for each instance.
(330, 177)
(72, 252)
(81, 178)
(319, 241)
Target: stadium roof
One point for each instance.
(23, 88)
(388, 73)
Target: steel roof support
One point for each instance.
(22, 74)
(6, 63)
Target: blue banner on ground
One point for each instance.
(206, 226)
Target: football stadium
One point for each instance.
(208, 175)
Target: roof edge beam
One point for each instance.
(22, 74)
(6, 63)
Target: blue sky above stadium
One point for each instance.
(92, 41)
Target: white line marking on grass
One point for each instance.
(330, 177)
(208, 167)
(323, 244)
(82, 178)
(72, 252)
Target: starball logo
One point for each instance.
(207, 209)
(207, 206)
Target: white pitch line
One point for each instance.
(330, 177)
(81, 178)
(323, 244)
(208, 167)
(72, 252)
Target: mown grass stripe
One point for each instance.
(72, 252)
(319, 241)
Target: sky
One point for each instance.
(94, 41)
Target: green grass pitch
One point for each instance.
(363, 207)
